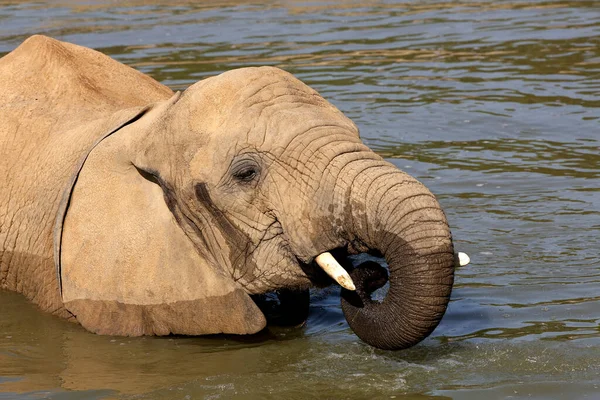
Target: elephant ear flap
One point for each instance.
(125, 265)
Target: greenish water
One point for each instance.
(494, 105)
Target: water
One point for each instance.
(492, 104)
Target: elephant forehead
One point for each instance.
(249, 89)
(276, 125)
(258, 105)
(241, 84)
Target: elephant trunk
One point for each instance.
(394, 215)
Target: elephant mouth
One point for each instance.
(289, 307)
(334, 266)
(367, 271)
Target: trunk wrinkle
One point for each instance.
(399, 218)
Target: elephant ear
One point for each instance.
(125, 265)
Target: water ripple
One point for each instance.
(494, 105)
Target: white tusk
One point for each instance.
(463, 259)
(335, 270)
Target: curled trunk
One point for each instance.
(396, 216)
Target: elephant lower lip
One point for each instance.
(284, 307)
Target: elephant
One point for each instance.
(133, 210)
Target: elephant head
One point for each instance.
(232, 188)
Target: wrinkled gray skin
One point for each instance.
(296, 181)
(255, 174)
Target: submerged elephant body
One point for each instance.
(135, 210)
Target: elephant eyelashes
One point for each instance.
(245, 175)
(245, 172)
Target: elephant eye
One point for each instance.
(245, 175)
(245, 172)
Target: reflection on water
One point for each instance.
(492, 104)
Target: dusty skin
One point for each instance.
(138, 211)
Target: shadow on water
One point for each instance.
(492, 104)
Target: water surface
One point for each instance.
(494, 105)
